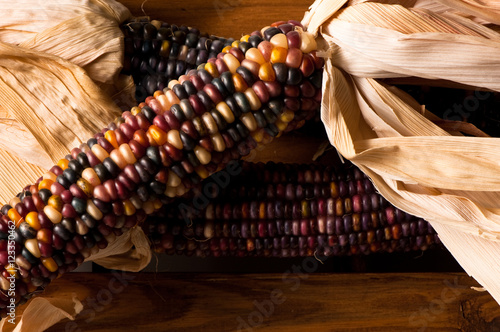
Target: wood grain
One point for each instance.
(308, 302)
(226, 18)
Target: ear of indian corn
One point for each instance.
(282, 210)
(156, 52)
(154, 152)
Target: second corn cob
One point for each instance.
(156, 52)
(289, 210)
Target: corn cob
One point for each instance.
(156, 56)
(289, 210)
(156, 52)
(156, 151)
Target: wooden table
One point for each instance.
(290, 301)
(287, 301)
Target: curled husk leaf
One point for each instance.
(450, 180)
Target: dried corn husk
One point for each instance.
(87, 34)
(451, 181)
(23, 20)
(56, 107)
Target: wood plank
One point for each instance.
(226, 18)
(302, 302)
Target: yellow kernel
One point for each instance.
(4, 283)
(165, 48)
(264, 29)
(45, 184)
(135, 110)
(181, 190)
(44, 235)
(11, 269)
(85, 186)
(280, 125)
(128, 208)
(157, 93)
(172, 97)
(236, 43)
(287, 115)
(212, 69)
(278, 55)
(170, 192)
(258, 135)
(308, 42)
(63, 163)
(56, 202)
(226, 49)
(158, 135)
(218, 142)
(157, 24)
(245, 38)
(239, 82)
(266, 72)
(157, 204)
(50, 264)
(32, 220)
(164, 102)
(151, 140)
(110, 136)
(209, 123)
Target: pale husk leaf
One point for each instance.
(84, 32)
(22, 20)
(451, 181)
(53, 100)
(130, 252)
(90, 41)
(41, 313)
